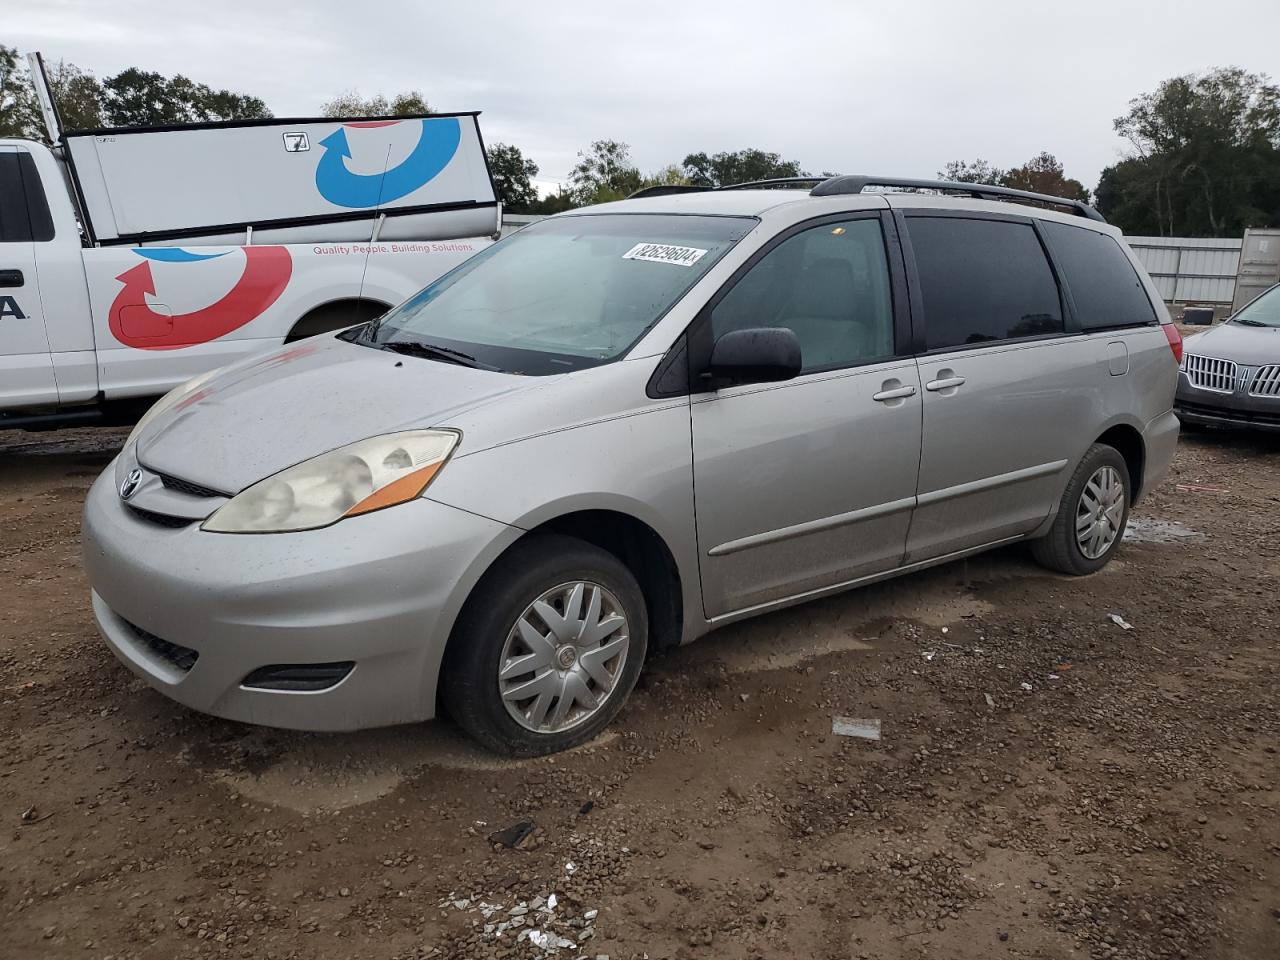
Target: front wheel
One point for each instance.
(1091, 517)
(547, 649)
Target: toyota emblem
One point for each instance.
(130, 485)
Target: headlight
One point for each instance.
(364, 476)
(167, 401)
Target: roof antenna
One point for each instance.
(378, 218)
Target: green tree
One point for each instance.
(19, 112)
(1044, 174)
(138, 98)
(351, 104)
(980, 171)
(604, 172)
(557, 202)
(742, 166)
(78, 95)
(1205, 160)
(672, 175)
(513, 175)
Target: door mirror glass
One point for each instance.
(756, 355)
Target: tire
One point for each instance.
(489, 635)
(1061, 549)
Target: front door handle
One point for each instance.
(945, 383)
(895, 394)
(11, 278)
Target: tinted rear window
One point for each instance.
(1106, 289)
(983, 281)
(24, 211)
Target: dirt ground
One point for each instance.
(1050, 783)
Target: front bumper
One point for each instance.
(381, 590)
(1236, 410)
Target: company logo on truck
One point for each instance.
(9, 308)
(135, 323)
(437, 143)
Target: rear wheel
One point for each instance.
(1091, 517)
(547, 649)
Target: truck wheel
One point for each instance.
(335, 316)
(1091, 517)
(547, 648)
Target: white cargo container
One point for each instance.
(131, 260)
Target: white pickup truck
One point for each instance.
(131, 260)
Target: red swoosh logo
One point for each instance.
(132, 321)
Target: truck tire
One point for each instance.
(335, 316)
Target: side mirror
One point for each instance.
(758, 355)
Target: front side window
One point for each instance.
(1263, 311)
(1104, 285)
(983, 281)
(828, 284)
(560, 295)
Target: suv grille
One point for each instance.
(187, 487)
(1266, 382)
(184, 658)
(1209, 373)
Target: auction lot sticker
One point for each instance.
(664, 253)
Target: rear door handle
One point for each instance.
(11, 278)
(944, 384)
(896, 394)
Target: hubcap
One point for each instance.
(1100, 513)
(563, 657)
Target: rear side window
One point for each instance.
(983, 281)
(24, 211)
(1105, 287)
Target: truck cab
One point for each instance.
(46, 330)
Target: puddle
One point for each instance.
(315, 773)
(1147, 530)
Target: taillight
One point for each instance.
(1175, 340)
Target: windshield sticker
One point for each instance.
(664, 253)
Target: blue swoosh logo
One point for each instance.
(436, 146)
(175, 254)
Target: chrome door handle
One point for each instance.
(895, 394)
(944, 384)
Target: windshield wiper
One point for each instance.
(431, 351)
(1249, 323)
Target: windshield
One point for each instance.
(559, 295)
(1263, 312)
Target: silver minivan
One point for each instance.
(621, 428)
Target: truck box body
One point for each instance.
(132, 260)
(292, 181)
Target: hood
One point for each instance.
(1237, 342)
(262, 415)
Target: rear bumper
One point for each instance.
(380, 591)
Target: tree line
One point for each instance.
(1203, 159)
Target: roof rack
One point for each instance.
(839, 185)
(774, 183)
(835, 186)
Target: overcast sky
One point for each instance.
(844, 86)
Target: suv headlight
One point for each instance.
(359, 478)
